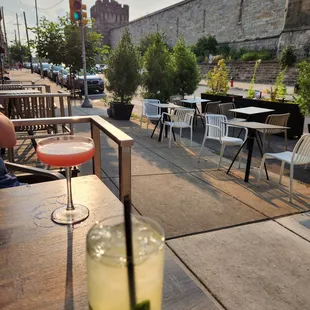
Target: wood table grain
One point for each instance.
(43, 265)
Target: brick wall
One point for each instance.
(233, 21)
(266, 74)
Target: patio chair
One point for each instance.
(217, 129)
(299, 156)
(211, 107)
(33, 174)
(151, 112)
(182, 118)
(224, 109)
(279, 120)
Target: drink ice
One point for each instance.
(106, 264)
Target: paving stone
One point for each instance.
(184, 204)
(260, 266)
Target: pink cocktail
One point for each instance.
(67, 151)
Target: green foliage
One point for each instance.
(251, 91)
(288, 57)
(159, 71)
(60, 42)
(256, 55)
(205, 46)
(200, 58)
(123, 71)
(19, 53)
(303, 97)
(218, 79)
(236, 54)
(187, 75)
(224, 50)
(280, 87)
(148, 40)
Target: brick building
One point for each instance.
(109, 14)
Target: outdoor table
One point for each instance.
(193, 103)
(252, 135)
(249, 111)
(43, 265)
(163, 106)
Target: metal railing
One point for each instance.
(97, 125)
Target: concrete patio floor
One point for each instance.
(245, 245)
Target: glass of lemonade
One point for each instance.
(107, 269)
(67, 151)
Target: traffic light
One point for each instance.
(76, 10)
(84, 14)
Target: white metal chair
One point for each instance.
(299, 156)
(217, 129)
(182, 118)
(150, 111)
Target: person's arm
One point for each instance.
(7, 132)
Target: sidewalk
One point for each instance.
(246, 245)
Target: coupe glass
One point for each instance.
(67, 151)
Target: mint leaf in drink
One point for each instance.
(144, 305)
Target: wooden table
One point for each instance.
(43, 265)
(252, 136)
(19, 92)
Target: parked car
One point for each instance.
(62, 76)
(45, 66)
(94, 81)
(53, 72)
(100, 67)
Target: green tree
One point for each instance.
(19, 52)
(280, 87)
(159, 71)
(218, 78)
(288, 57)
(303, 97)
(60, 42)
(187, 75)
(123, 71)
(205, 46)
(148, 40)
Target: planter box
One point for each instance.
(223, 99)
(121, 111)
(295, 122)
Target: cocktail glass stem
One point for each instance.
(70, 206)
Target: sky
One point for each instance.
(54, 8)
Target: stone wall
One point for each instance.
(248, 23)
(267, 72)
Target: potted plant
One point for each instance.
(159, 69)
(187, 75)
(123, 75)
(218, 83)
(303, 95)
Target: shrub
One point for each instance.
(200, 58)
(236, 54)
(218, 79)
(205, 46)
(123, 69)
(249, 56)
(264, 55)
(303, 97)
(251, 91)
(224, 50)
(288, 57)
(216, 58)
(159, 71)
(186, 75)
